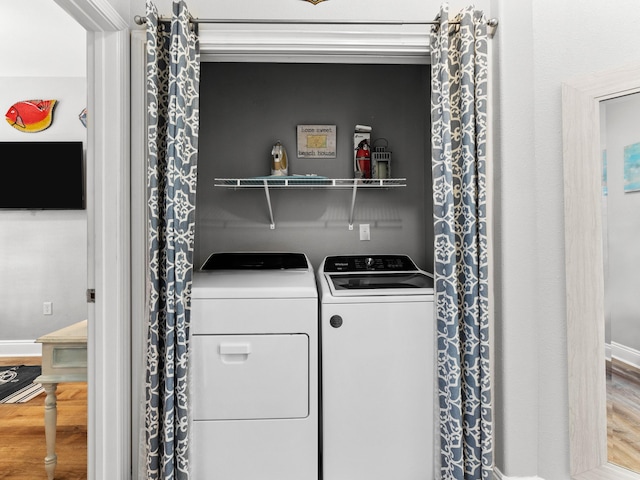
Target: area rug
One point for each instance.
(16, 383)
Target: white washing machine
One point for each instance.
(254, 368)
(377, 363)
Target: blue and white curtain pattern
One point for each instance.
(173, 76)
(459, 114)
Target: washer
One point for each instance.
(254, 367)
(377, 336)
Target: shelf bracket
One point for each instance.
(266, 192)
(353, 204)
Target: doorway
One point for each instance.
(43, 251)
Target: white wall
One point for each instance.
(407, 10)
(39, 39)
(43, 254)
(542, 44)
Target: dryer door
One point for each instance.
(242, 377)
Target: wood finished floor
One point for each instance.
(623, 415)
(22, 441)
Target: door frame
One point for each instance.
(108, 238)
(406, 44)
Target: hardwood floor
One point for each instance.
(22, 440)
(623, 415)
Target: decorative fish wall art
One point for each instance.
(31, 115)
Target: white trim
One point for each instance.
(110, 358)
(139, 250)
(583, 266)
(109, 238)
(303, 43)
(94, 15)
(20, 348)
(608, 471)
(498, 475)
(625, 354)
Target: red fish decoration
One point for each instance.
(31, 115)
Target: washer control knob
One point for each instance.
(335, 321)
(369, 262)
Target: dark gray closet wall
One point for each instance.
(246, 107)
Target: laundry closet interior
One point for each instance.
(275, 342)
(246, 107)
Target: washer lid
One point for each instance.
(378, 281)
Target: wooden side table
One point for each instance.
(64, 359)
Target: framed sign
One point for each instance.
(316, 141)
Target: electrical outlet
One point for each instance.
(365, 231)
(47, 308)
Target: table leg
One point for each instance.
(50, 421)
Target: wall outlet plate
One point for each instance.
(365, 231)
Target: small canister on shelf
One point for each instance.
(381, 160)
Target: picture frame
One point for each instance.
(316, 141)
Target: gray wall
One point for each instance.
(245, 108)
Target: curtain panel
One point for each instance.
(458, 127)
(173, 76)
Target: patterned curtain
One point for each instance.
(459, 109)
(173, 75)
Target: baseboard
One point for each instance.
(498, 475)
(20, 348)
(626, 354)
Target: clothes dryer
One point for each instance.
(377, 363)
(254, 367)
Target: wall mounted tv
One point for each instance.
(42, 175)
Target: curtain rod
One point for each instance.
(493, 22)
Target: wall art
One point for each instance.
(632, 168)
(316, 141)
(31, 115)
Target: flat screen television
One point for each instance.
(42, 175)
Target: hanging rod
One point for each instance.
(493, 22)
(141, 20)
